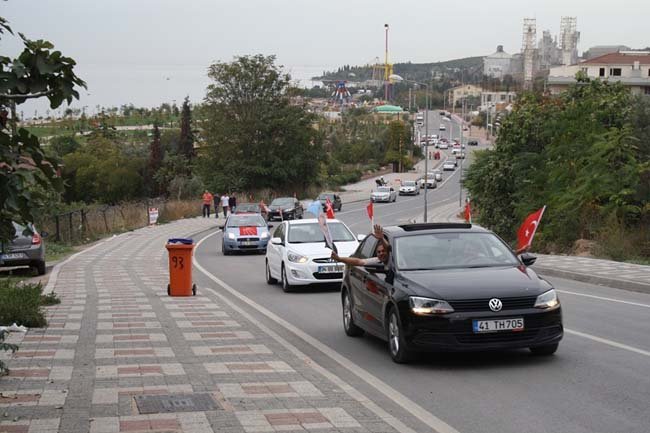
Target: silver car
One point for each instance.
(383, 193)
(25, 249)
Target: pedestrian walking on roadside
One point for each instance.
(232, 202)
(217, 200)
(207, 201)
(224, 204)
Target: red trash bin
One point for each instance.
(180, 267)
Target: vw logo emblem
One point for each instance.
(495, 304)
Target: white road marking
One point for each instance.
(401, 400)
(608, 342)
(602, 298)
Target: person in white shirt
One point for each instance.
(224, 204)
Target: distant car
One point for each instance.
(297, 255)
(443, 145)
(443, 128)
(437, 174)
(245, 232)
(456, 150)
(460, 155)
(450, 287)
(285, 208)
(472, 143)
(431, 182)
(334, 198)
(25, 249)
(383, 193)
(449, 165)
(409, 187)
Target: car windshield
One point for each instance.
(246, 221)
(248, 207)
(310, 232)
(286, 201)
(452, 250)
(409, 183)
(383, 189)
(326, 196)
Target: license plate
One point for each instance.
(496, 325)
(330, 269)
(247, 243)
(12, 256)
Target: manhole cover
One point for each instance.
(148, 404)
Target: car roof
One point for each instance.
(309, 221)
(427, 228)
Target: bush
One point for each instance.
(21, 304)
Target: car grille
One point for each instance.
(324, 260)
(497, 337)
(249, 239)
(328, 276)
(482, 304)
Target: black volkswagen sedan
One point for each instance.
(450, 287)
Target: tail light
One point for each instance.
(36, 239)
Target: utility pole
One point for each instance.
(386, 69)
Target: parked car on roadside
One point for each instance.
(25, 249)
(450, 287)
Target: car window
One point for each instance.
(367, 249)
(283, 201)
(311, 232)
(452, 250)
(384, 189)
(279, 232)
(246, 221)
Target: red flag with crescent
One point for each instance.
(527, 230)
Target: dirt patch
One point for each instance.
(586, 248)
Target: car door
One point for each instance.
(276, 252)
(359, 286)
(378, 287)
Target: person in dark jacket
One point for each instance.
(217, 201)
(232, 202)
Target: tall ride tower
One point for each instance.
(569, 37)
(528, 44)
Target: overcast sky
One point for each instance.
(150, 51)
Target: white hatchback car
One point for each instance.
(297, 256)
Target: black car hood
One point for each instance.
(474, 283)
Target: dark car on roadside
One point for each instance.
(25, 249)
(334, 198)
(450, 287)
(285, 208)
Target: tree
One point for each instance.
(155, 159)
(187, 137)
(38, 72)
(254, 137)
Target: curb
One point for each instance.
(586, 278)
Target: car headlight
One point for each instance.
(424, 306)
(265, 235)
(231, 235)
(289, 210)
(547, 300)
(296, 258)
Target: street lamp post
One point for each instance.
(398, 78)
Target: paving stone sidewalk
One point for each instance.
(119, 355)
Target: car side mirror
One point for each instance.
(44, 234)
(276, 241)
(361, 237)
(270, 226)
(375, 269)
(222, 227)
(528, 259)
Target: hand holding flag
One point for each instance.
(527, 230)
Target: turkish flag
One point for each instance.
(248, 231)
(527, 230)
(329, 209)
(369, 208)
(468, 213)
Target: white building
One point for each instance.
(497, 65)
(497, 99)
(631, 68)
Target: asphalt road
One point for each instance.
(598, 381)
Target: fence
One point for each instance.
(93, 222)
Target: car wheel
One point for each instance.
(340, 207)
(269, 278)
(286, 287)
(396, 343)
(223, 249)
(351, 329)
(547, 350)
(40, 268)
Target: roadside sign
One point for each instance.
(153, 215)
